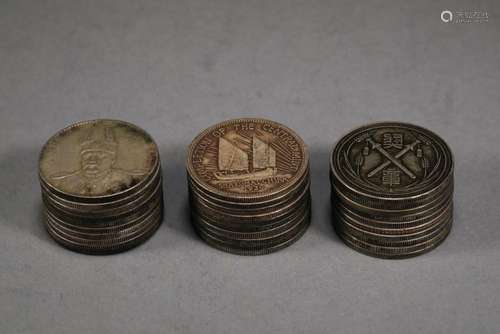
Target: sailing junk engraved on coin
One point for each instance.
(247, 157)
(234, 161)
(249, 186)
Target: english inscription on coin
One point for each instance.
(97, 158)
(247, 157)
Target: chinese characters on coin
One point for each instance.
(390, 160)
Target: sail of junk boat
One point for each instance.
(234, 163)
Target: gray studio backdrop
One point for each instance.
(320, 67)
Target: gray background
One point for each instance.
(320, 67)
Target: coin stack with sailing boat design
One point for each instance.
(249, 186)
(392, 190)
(101, 186)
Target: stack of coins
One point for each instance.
(249, 186)
(101, 186)
(392, 190)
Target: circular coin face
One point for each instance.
(391, 161)
(247, 158)
(98, 159)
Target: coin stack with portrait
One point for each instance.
(101, 186)
(249, 186)
(392, 190)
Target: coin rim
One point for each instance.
(405, 251)
(247, 197)
(400, 195)
(108, 196)
(255, 252)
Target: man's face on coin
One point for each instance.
(96, 163)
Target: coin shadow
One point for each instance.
(175, 191)
(21, 206)
(475, 207)
(322, 218)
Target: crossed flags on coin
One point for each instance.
(392, 159)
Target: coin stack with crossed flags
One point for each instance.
(392, 189)
(101, 186)
(249, 186)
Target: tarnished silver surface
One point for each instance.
(249, 185)
(255, 248)
(101, 186)
(392, 189)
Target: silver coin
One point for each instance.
(395, 252)
(392, 189)
(101, 186)
(259, 250)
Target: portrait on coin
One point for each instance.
(98, 173)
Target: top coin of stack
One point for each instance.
(101, 186)
(392, 189)
(249, 186)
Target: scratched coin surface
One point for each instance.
(392, 189)
(247, 158)
(391, 160)
(249, 185)
(101, 186)
(98, 158)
